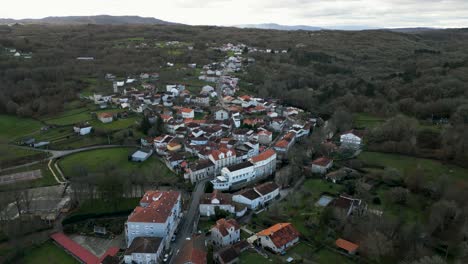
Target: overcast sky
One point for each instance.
(324, 13)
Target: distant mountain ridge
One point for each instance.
(99, 20)
(275, 26)
(279, 27)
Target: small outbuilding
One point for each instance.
(141, 155)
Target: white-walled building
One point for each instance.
(225, 232)
(222, 158)
(187, 113)
(257, 196)
(105, 117)
(264, 163)
(321, 165)
(200, 171)
(144, 250)
(351, 138)
(157, 216)
(223, 201)
(82, 129)
(265, 137)
(221, 114)
(233, 175)
(279, 237)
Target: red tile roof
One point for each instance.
(282, 144)
(280, 234)
(75, 249)
(224, 225)
(322, 161)
(186, 110)
(263, 156)
(346, 245)
(112, 251)
(105, 115)
(159, 208)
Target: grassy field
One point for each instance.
(47, 253)
(369, 121)
(69, 117)
(325, 256)
(14, 127)
(406, 164)
(94, 161)
(8, 152)
(297, 252)
(118, 124)
(365, 120)
(299, 207)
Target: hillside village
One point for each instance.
(219, 137)
(234, 149)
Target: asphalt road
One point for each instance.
(188, 225)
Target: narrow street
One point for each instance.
(187, 225)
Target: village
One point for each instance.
(229, 145)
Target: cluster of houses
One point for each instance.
(17, 54)
(239, 49)
(232, 141)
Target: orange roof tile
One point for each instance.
(280, 234)
(159, 208)
(346, 245)
(263, 156)
(322, 161)
(186, 110)
(282, 144)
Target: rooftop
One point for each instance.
(144, 245)
(240, 166)
(280, 234)
(159, 208)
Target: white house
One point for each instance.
(222, 158)
(82, 129)
(279, 237)
(144, 250)
(264, 163)
(351, 138)
(199, 171)
(221, 114)
(321, 165)
(157, 216)
(225, 232)
(209, 202)
(257, 196)
(187, 113)
(105, 117)
(233, 175)
(265, 137)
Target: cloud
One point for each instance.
(325, 13)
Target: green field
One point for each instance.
(365, 120)
(15, 127)
(298, 207)
(406, 164)
(9, 152)
(69, 117)
(325, 256)
(95, 160)
(118, 124)
(47, 253)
